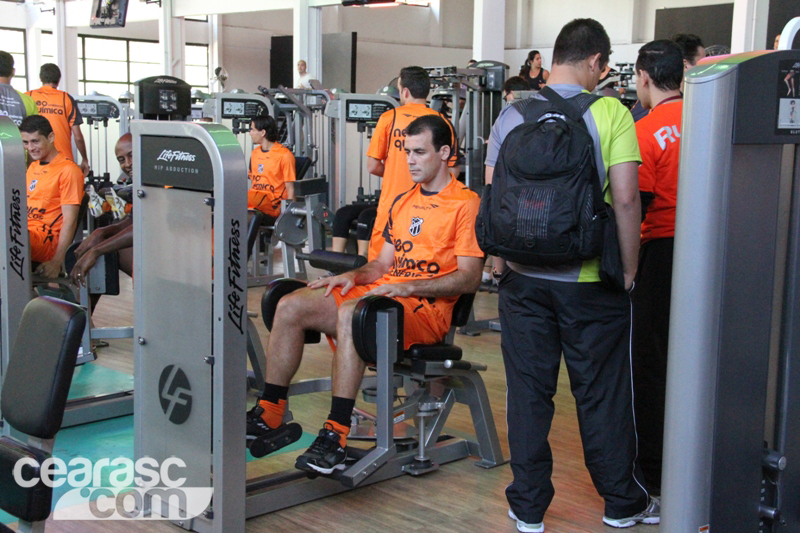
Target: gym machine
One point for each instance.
(352, 114)
(481, 87)
(732, 440)
(99, 111)
(15, 285)
(237, 109)
(189, 396)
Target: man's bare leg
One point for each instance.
(296, 312)
(347, 367)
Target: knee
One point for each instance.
(291, 308)
(344, 319)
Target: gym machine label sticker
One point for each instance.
(175, 394)
(789, 97)
(16, 251)
(236, 311)
(180, 162)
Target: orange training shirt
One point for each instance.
(60, 110)
(50, 186)
(269, 172)
(659, 135)
(387, 145)
(429, 232)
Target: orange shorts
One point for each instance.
(423, 323)
(43, 246)
(260, 201)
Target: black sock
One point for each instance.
(341, 410)
(273, 393)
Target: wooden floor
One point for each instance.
(458, 497)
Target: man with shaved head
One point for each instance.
(113, 238)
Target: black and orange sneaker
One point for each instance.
(263, 440)
(325, 455)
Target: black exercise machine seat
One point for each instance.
(34, 396)
(365, 319)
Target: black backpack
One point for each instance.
(545, 205)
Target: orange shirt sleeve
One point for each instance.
(70, 185)
(647, 170)
(379, 145)
(466, 241)
(289, 171)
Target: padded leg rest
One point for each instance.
(365, 332)
(335, 261)
(434, 352)
(269, 304)
(29, 504)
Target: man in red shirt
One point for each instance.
(272, 172)
(385, 156)
(659, 72)
(430, 256)
(62, 113)
(55, 191)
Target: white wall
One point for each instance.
(379, 63)
(245, 56)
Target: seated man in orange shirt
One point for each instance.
(430, 256)
(55, 191)
(271, 169)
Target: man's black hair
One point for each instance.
(268, 125)
(580, 39)
(6, 64)
(689, 43)
(515, 83)
(50, 73)
(663, 61)
(36, 124)
(441, 134)
(416, 80)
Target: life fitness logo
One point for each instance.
(175, 394)
(165, 80)
(176, 155)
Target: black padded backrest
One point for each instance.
(301, 166)
(462, 309)
(41, 364)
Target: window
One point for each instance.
(110, 66)
(14, 43)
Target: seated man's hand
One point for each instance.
(346, 281)
(50, 269)
(392, 290)
(85, 167)
(92, 240)
(82, 268)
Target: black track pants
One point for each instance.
(651, 304)
(591, 326)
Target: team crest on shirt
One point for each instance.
(260, 168)
(416, 225)
(33, 185)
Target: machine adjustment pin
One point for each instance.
(141, 341)
(140, 194)
(209, 201)
(209, 360)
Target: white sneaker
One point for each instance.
(651, 515)
(525, 527)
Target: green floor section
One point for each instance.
(91, 379)
(108, 438)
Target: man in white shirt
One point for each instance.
(304, 81)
